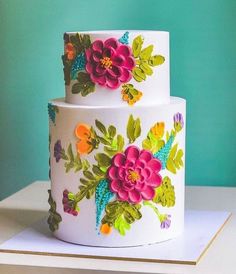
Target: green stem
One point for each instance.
(147, 203)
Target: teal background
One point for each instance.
(203, 70)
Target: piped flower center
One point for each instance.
(133, 176)
(106, 62)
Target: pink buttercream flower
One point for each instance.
(134, 175)
(109, 63)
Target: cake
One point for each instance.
(117, 142)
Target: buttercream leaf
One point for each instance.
(138, 74)
(137, 45)
(146, 68)
(103, 160)
(156, 60)
(146, 53)
(133, 129)
(111, 131)
(101, 127)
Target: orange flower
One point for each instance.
(70, 51)
(85, 136)
(158, 130)
(105, 229)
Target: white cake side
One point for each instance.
(151, 144)
(116, 68)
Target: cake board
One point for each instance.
(201, 228)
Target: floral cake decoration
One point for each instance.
(124, 178)
(111, 64)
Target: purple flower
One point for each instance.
(165, 222)
(58, 150)
(69, 203)
(178, 121)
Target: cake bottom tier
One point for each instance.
(117, 174)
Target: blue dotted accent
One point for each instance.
(125, 38)
(52, 112)
(79, 64)
(164, 152)
(102, 197)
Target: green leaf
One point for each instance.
(146, 53)
(121, 214)
(121, 225)
(120, 143)
(165, 193)
(137, 45)
(89, 175)
(97, 171)
(156, 60)
(103, 140)
(137, 128)
(54, 217)
(84, 84)
(174, 160)
(103, 160)
(146, 68)
(76, 88)
(133, 129)
(111, 131)
(138, 74)
(66, 69)
(70, 153)
(101, 127)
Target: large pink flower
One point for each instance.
(109, 63)
(134, 175)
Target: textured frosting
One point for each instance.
(117, 173)
(115, 68)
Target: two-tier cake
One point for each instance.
(117, 142)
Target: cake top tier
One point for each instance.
(115, 68)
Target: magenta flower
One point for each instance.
(134, 175)
(109, 63)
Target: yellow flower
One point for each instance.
(158, 130)
(130, 95)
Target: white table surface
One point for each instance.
(28, 205)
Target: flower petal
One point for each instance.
(117, 60)
(83, 147)
(135, 196)
(111, 42)
(82, 131)
(88, 54)
(99, 69)
(154, 164)
(115, 186)
(148, 193)
(123, 195)
(98, 79)
(89, 68)
(113, 172)
(154, 180)
(97, 46)
(146, 173)
(121, 173)
(132, 153)
(114, 72)
(145, 155)
(125, 75)
(129, 63)
(112, 83)
(118, 160)
(124, 50)
(96, 56)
